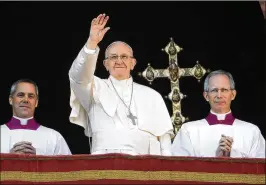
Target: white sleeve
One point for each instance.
(81, 76)
(258, 145)
(165, 142)
(61, 146)
(83, 67)
(89, 51)
(182, 145)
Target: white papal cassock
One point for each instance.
(45, 140)
(201, 138)
(96, 107)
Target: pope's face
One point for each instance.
(120, 61)
(24, 100)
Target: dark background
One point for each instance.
(40, 40)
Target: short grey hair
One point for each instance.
(218, 72)
(117, 42)
(15, 84)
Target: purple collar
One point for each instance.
(15, 124)
(212, 119)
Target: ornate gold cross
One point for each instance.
(174, 73)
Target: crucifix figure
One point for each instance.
(132, 117)
(174, 73)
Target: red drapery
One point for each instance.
(126, 169)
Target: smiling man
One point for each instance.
(22, 134)
(120, 115)
(220, 134)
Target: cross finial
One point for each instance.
(173, 72)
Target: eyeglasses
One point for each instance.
(216, 90)
(122, 57)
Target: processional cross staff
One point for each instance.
(174, 73)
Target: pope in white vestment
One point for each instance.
(104, 106)
(220, 134)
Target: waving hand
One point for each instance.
(97, 30)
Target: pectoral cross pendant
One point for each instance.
(132, 117)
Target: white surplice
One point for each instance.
(45, 140)
(199, 139)
(96, 107)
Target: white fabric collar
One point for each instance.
(220, 116)
(23, 121)
(121, 83)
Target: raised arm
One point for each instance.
(82, 70)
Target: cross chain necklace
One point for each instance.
(130, 116)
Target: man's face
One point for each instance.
(24, 100)
(120, 67)
(220, 94)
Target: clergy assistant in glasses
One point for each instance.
(220, 134)
(22, 134)
(119, 114)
